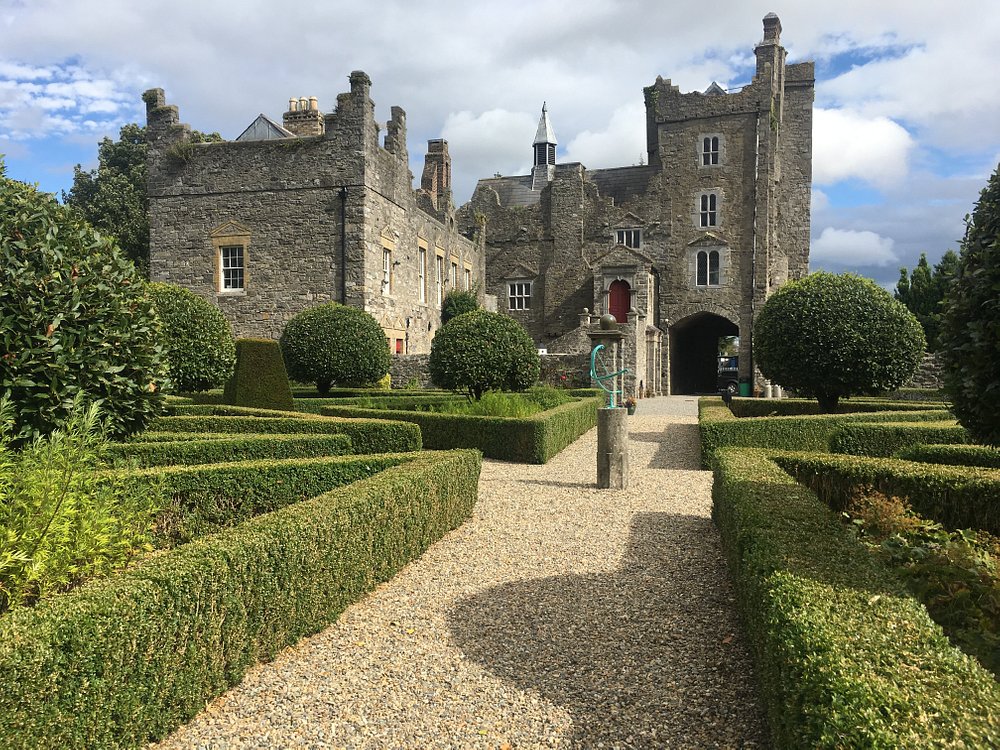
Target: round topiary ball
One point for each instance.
(480, 351)
(76, 320)
(334, 343)
(197, 338)
(832, 336)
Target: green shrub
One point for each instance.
(60, 523)
(846, 659)
(481, 351)
(243, 448)
(197, 338)
(128, 659)
(886, 438)
(260, 380)
(953, 455)
(970, 329)
(833, 336)
(797, 407)
(367, 435)
(458, 303)
(74, 320)
(534, 439)
(334, 343)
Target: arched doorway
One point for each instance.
(694, 345)
(620, 300)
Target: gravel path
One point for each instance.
(560, 615)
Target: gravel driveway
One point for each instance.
(560, 615)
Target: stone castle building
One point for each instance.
(683, 250)
(314, 210)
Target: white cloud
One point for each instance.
(848, 145)
(849, 247)
(621, 143)
(820, 201)
(486, 143)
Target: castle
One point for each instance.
(682, 250)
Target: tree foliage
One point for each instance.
(197, 338)
(970, 329)
(923, 290)
(75, 320)
(457, 302)
(112, 198)
(833, 336)
(334, 343)
(481, 351)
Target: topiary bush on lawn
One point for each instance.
(260, 379)
(456, 303)
(197, 338)
(970, 330)
(334, 343)
(481, 351)
(75, 320)
(832, 336)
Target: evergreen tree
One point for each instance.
(922, 291)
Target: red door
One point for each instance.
(619, 300)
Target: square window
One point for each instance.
(629, 237)
(519, 295)
(232, 268)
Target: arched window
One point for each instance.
(713, 268)
(620, 300)
(707, 272)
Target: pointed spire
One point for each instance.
(545, 133)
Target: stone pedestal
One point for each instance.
(612, 449)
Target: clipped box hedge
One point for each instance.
(124, 660)
(959, 497)
(846, 659)
(800, 407)
(379, 400)
(532, 440)
(243, 448)
(954, 455)
(720, 428)
(885, 439)
(367, 435)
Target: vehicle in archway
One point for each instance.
(728, 375)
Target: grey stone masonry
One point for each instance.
(266, 229)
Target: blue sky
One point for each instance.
(906, 121)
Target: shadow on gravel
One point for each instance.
(680, 447)
(648, 656)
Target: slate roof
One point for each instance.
(264, 129)
(622, 183)
(545, 133)
(513, 191)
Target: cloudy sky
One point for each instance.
(907, 119)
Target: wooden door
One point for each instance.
(619, 300)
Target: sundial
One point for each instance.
(601, 372)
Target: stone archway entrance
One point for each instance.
(694, 344)
(620, 300)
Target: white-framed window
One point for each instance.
(519, 295)
(629, 237)
(708, 210)
(232, 268)
(710, 155)
(439, 279)
(707, 273)
(386, 270)
(468, 279)
(453, 277)
(422, 274)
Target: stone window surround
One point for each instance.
(227, 239)
(467, 275)
(721, 263)
(388, 278)
(628, 275)
(718, 152)
(454, 261)
(519, 294)
(439, 274)
(703, 218)
(422, 271)
(623, 236)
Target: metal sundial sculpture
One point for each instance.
(604, 375)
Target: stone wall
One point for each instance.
(928, 373)
(411, 370)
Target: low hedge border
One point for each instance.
(402, 401)
(128, 659)
(844, 656)
(886, 438)
(958, 497)
(532, 440)
(800, 407)
(953, 455)
(228, 448)
(367, 435)
(719, 428)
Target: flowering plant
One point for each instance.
(629, 403)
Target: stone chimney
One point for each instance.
(303, 116)
(436, 179)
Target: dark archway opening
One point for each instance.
(694, 348)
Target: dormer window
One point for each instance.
(629, 237)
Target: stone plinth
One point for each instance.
(612, 449)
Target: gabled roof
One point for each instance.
(620, 255)
(520, 271)
(264, 129)
(630, 220)
(545, 133)
(714, 90)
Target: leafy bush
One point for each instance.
(259, 380)
(74, 320)
(60, 521)
(335, 343)
(481, 351)
(457, 303)
(833, 336)
(197, 338)
(970, 330)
